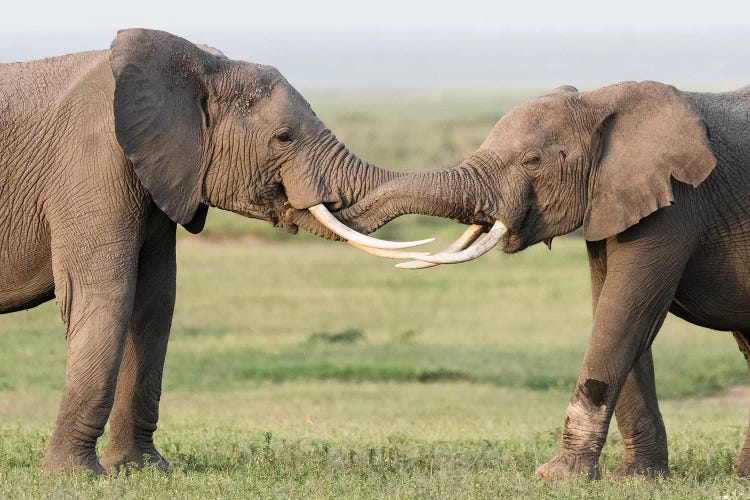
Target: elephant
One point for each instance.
(102, 154)
(659, 181)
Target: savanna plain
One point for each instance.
(299, 367)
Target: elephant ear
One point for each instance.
(160, 117)
(648, 133)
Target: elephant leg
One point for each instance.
(644, 437)
(742, 462)
(136, 407)
(637, 411)
(636, 294)
(95, 296)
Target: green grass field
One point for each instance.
(304, 368)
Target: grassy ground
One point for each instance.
(303, 368)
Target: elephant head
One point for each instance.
(202, 130)
(603, 160)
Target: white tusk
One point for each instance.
(326, 218)
(477, 250)
(391, 254)
(470, 236)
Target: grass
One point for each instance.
(303, 368)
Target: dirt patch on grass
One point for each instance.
(738, 395)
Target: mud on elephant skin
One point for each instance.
(101, 155)
(659, 180)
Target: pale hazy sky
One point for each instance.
(346, 15)
(703, 44)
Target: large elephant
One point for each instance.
(101, 155)
(660, 181)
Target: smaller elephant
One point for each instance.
(659, 180)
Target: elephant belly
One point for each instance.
(25, 269)
(715, 290)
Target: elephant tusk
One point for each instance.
(391, 254)
(326, 218)
(470, 236)
(477, 250)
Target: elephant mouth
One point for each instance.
(531, 230)
(514, 243)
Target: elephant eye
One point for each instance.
(284, 137)
(531, 158)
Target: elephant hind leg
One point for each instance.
(742, 462)
(644, 437)
(136, 406)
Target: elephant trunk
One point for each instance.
(341, 180)
(349, 178)
(462, 193)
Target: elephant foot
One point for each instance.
(644, 451)
(66, 461)
(133, 459)
(649, 469)
(742, 463)
(568, 464)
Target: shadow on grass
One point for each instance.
(347, 356)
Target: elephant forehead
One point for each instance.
(285, 107)
(535, 123)
(246, 83)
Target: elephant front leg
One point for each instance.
(627, 318)
(742, 462)
(96, 317)
(584, 432)
(644, 437)
(136, 407)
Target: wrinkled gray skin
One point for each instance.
(660, 181)
(101, 155)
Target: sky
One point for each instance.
(394, 43)
(347, 15)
